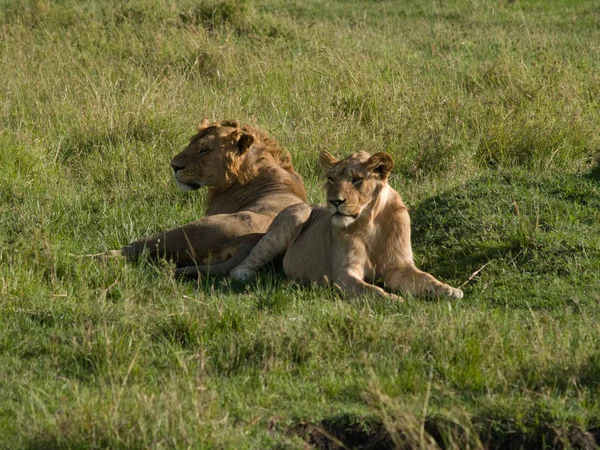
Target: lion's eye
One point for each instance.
(357, 181)
(330, 180)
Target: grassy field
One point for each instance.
(491, 111)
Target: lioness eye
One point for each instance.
(357, 181)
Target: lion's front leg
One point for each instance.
(415, 281)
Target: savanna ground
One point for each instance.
(491, 111)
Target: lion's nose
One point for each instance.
(176, 167)
(337, 202)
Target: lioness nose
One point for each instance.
(337, 202)
(176, 167)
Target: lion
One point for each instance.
(363, 234)
(250, 178)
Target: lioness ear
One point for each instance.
(203, 124)
(380, 164)
(242, 140)
(327, 161)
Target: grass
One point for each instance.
(490, 109)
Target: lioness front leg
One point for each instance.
(275, 242)
(413, 280)
(354, 286)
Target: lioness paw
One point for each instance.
(453, 292)
(457, 293)
(394, 297)
(242, 274)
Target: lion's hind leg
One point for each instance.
(415, 281)
(230, 256)
(275, 242)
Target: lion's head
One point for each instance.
(354, 184)
(224, 152)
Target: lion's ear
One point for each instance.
(203, 124)
(242, 140)
(327, 161)
(380, 164)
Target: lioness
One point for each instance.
(250, 179)
(362, 234)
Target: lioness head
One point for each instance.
(214, 155)
(354, 184)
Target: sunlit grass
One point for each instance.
(490, 110)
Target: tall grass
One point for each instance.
(490, 110)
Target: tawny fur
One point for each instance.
(363, 234)
(250, 178)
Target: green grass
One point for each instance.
(490, 109)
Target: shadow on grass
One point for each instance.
(520, 230)
(594, 174)
(269, 281)
(345, 432)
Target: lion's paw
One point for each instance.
(242, 274)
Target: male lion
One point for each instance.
(362, 234)
(250, 180)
